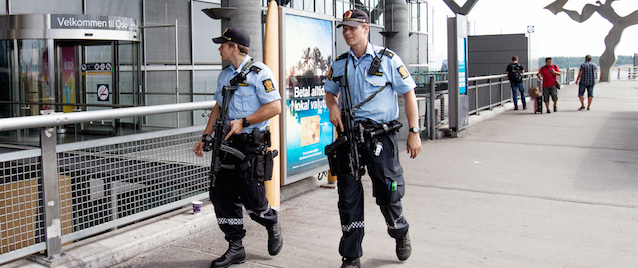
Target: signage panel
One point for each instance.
(306, 63)
(80, 21)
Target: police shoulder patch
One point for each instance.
(403, 72)
(342, 56)
(268, 85)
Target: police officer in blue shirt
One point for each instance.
(251, 106)
(374, 96)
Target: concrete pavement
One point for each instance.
(518, 190)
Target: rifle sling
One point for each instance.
(372, 96)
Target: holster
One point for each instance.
(339, 157)
(264, 165)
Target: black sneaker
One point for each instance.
(516, 109)
(548, 111)
(555, 109)
(403, 247)
(350, 263)
(581, 108)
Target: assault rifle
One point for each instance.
(343, 153)
(218, 144)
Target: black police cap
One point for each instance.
(235, 35)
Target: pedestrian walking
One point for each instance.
(548, 74)
(587, 79)
(374, 76)
(515, 73)
(255, 101)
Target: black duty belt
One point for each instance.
(248, 137)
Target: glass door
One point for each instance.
(98, 88)
(127, 74)
(96, 76)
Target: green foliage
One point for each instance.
(575, 62)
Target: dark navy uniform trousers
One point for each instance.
(383, 170)
(235, 187)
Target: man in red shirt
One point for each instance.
(548, 75)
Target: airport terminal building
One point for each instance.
(87, 55)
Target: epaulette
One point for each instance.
(387, 52)
(255, 69)
(342, 56)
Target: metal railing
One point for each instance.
(629, 72)
(484, 92)
(61, 193)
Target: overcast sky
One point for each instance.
(554, 35)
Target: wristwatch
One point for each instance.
(415, 129)
(244, 122)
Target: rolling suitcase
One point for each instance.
(538, 105)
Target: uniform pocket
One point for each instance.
(376, 82)
(246, 97)
(394, 174)
(393, 186)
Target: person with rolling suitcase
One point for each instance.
(536, 94)
(548, 74)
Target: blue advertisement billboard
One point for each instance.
(307, 60)
(462, 47)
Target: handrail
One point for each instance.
(58, 119)
(497, 76)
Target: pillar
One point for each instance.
(397, 28)
(247, 16)
(397, 33)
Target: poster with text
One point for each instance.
(68, 79)
(307, 62)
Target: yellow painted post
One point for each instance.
(271, 59)
(332, 179)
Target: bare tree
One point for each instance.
(619, 24)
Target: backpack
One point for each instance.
(516, 74)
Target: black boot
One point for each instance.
(403, 247)
(234, 255)
(275, 241)
(350, 263)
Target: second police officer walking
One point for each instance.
(252, 105)
(382, 161)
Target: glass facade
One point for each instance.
(160, 42)
(204, 50)
(6, 95)
(122, 8)
(33, 78)
(45, 7)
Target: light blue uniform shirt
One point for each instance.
(383, 107)
(258, 89)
